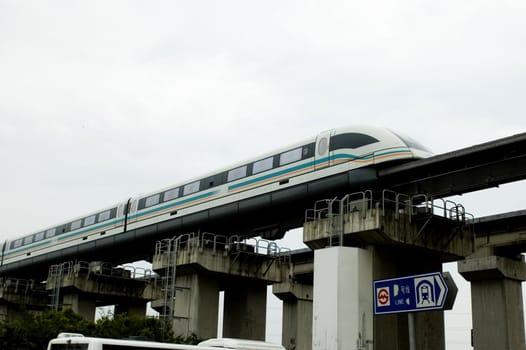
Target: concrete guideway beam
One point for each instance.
(496, 299)
(236, 259)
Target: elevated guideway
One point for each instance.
(505, 233)
(466, 170)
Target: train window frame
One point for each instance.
(17, 243)
(28, 240)
(308, 150)
(263, 165)
(90, 220)
(51, 232)
(75, 225)
(105, 215)
(191, 188)
(39, 236)
(213, 181)
(351, 140)
(152, 200)
(171, 194)
(292, 156)
(237, 173)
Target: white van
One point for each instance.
(75, 341)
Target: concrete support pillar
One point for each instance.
(343, 297)
(196, 306)
(131, 308)
(245, 306)
(297, 314)
(496, 301)
(81, 305)
(3, 313)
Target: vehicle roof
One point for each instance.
(150, 344)
(241, 344)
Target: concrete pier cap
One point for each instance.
(492, 267)
(496, 299)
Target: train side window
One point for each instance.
(152, 200)
(238, 173)
(51, 232)
(76, 224)
(90, 220)
(28, 240)
(105, 215)
(17, 243)
(213, 181)
(262, 165)
(171, 194)
(39, 236)
(191, 188)
(308, 150)
(290, 156)
(350, 140)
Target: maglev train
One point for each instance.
(241, 192)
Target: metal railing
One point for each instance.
(220, 244)
(18, 285)
(337, 210)
(423, 204)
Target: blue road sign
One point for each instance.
(410, 294)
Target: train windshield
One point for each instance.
(412, 143)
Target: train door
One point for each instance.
(4, 246)
(127, 211)
(321, 155)
(132, 210)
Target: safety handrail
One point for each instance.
(403, 204)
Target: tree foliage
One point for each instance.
(33, 332)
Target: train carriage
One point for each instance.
(298, 166)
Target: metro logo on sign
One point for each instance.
(382, 297)
(409, 294)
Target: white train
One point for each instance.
(273, 180)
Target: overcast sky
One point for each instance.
(101, 100)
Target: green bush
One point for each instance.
(33, 332)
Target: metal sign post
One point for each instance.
(412, 332)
